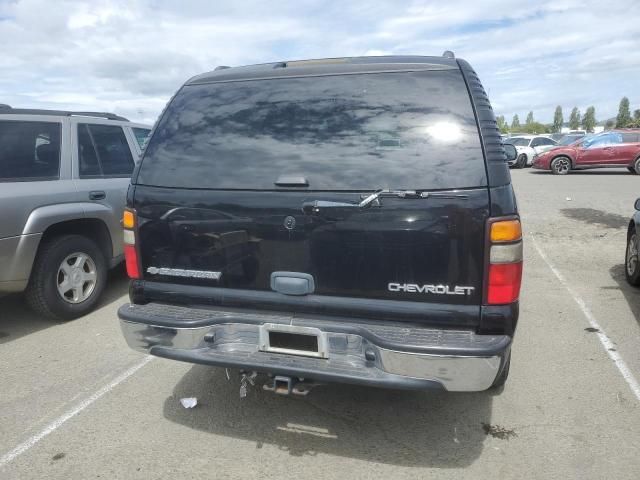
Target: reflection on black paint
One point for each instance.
(206, 239)
(354, 252)
(354, 132)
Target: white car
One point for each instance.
(529, 147)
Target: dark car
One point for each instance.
(614, 148)
(339, 220)
(631, 259)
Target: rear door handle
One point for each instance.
(97, 195)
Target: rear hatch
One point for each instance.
(246, 178)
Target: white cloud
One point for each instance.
(130, 56)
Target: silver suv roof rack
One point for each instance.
(6, 109)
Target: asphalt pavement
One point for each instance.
(76, 403)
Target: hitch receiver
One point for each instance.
(288, 386)
(283, 385)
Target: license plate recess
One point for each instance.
(293, 340)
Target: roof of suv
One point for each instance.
(7, 110)
(326, 66)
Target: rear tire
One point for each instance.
(560, 165)
(521, 161)
(631, 261)
(68, 277)
(636, 166)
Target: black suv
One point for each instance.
(338, 220)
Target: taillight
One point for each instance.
(132, 261)
(505, 262)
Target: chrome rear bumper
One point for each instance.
(391, 355)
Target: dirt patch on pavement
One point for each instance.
(599, 218)
(497, 431)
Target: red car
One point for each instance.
(613, 148)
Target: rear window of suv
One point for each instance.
(29, 151)
(410, 130)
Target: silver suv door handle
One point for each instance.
(97, 195)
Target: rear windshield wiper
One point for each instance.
(315, 206)
(391, 193)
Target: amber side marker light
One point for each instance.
(505, 262)
(131, 257)
(128, 219)
(506, 231)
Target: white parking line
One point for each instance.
(606, 342)
(53, 426)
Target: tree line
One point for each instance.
(577, 121)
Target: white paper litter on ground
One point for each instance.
(189, 402)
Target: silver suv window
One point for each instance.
(141, 134)
(29, 151)
(103, 151)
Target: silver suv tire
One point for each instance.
(68, 277)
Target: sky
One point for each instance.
(129, 57)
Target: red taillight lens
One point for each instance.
(131, 260)
(505, 261)
(130, 249)
(504, 283)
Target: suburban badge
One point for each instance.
(178, 272)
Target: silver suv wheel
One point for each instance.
(68, 276)
(76, 277)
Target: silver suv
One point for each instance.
(63, 183)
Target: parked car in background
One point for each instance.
(611, 149)
(383, 249)
(528, 148)
(63, 182)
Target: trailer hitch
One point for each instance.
(289, 386)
